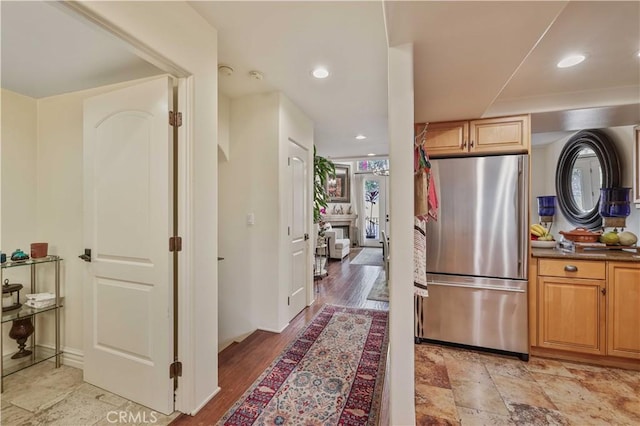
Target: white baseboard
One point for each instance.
(205, 402)
(70, 357)
(272, 330)
(223, 345)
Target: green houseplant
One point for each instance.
(323, 169)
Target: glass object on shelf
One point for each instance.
(546, 205)
(26, 311)
(10, 296)
(20, 331)
(50, 258)
(615, 202)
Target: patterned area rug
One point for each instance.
(380, 290)
(331, 374)
(369, 256)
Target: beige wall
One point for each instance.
(544, 160)
(19, 150)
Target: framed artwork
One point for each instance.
(339, 188)
(636, 168)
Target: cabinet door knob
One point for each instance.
(471, 144)
(571, 268)
(603, 291)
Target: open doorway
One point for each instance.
(372, 203)
(54, 164)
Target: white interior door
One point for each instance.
(299, 233)
(128, 340)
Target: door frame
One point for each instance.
(308, 285)
(185, 396)
(383, 213)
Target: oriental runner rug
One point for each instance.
(331, 374)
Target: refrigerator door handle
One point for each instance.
(523, 195)
(478, 287)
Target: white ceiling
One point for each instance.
(47, 51)
(472, 59)
(286, 40)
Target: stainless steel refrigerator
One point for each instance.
(477, 255)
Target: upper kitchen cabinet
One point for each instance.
(503, 135)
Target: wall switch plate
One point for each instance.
(251, 219)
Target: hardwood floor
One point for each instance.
(241, 363)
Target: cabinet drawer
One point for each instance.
(572, 268)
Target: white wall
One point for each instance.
(255, 277)
(18, 186)
(401, 351)
(544, 160)
(248, 184)
(294, 126)
(224, 105)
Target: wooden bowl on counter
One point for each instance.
(581, 235)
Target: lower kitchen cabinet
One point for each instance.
(623, 310)
(572, 314)
(586, 310)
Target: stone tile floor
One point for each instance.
(44, 395)
(460, 387)
(453, 387)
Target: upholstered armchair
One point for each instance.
(339, 246)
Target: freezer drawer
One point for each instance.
(478, 312)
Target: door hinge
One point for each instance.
(175, 244)
(288, 230)
(175, 119)
(175, 369)
(288, 301)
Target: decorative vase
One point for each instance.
(20, 331)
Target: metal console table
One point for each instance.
(38, 353)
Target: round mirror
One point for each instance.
(586, 180)
(587, 163)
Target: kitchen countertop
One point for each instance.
(616, 255)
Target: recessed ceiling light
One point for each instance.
(320, 72)
(371, 154)
(638, 53)
(361, 137)
(570, 61)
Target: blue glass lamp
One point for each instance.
(615, 206)
(546, 209)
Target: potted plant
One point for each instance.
(323, 169)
